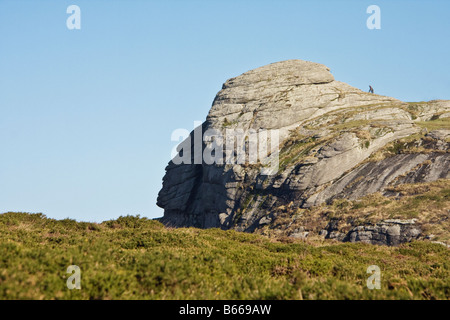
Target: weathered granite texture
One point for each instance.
(336, 141)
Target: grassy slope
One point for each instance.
(136, 258)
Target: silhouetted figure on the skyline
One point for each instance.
(370, 89)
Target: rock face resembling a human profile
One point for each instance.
(335, 142)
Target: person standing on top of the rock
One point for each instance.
(370, 89)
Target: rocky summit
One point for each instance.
(336, 143)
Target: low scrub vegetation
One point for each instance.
(138, 258)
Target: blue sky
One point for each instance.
(86, 115)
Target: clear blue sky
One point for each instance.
(86, 115)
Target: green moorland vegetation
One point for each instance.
(138, 258)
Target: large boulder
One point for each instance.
(335, 141)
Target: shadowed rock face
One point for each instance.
(390, 232)
(332, 142)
